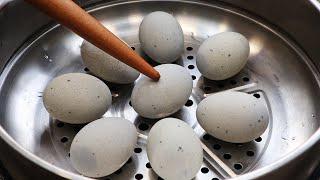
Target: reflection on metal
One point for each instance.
(256, 45)
(279, 71)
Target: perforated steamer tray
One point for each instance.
(277, 73)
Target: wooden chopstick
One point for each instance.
(79, 21)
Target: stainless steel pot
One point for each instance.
(283, 70)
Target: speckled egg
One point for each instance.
(174, 150)
(76, 98)
(233, 116)
(223, 55)
(103, 146)
(158, 99)
(161, 37)
(105, 66)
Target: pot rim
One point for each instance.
(315, 138)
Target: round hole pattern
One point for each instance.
(233, 82)
(191, 66)
(250, 153)
(216, 146)
(237, 166)
(189, 103)
(259, 139)
(194, 77)
(256, 95)
(130, 103)
(64, 139)
(133, 48)
(137, 150)
(138, 176)
(227, 156)
(189, 48)
(148, 165)
(86, 69)
(190, 57)
(204, 170)
(60, 124)
(215, 179)
(206, 137)
(143, 126)
(245, 79)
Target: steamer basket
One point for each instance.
(280, 72)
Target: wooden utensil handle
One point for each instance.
(79, 21)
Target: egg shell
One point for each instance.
(103, 146)
(158, 99)
(76, 98)
(161, 37)
(174, 150)
(233, 116)
(105, 66)
(223, 55)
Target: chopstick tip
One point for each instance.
(156, 76)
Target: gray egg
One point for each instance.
(161, 37)
(103, 146)
(223, 55)
(105, 66)
(174, 150)
(158, 99)
(76, 98)
(233, 116)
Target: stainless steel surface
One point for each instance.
(279, 70)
